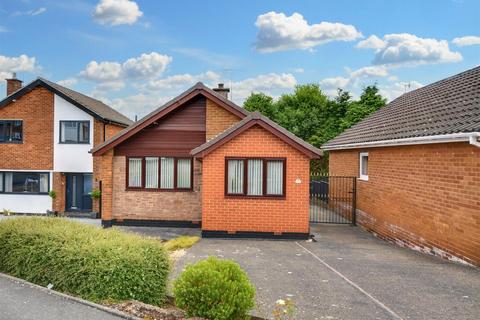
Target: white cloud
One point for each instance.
(3, 29)
(34, 12)
(372, 42)
(278, 32)
(110, 75)
(69, 82)
(395, 90)
(181, 82)
(466, 41)
(22, 63)
(117, 12)
(272, 84)
(105, 71)
(147, 65)
(136, 105)
(355, 79)
(407, 49)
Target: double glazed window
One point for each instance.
(11, 131)
(364, 166)
(24, 182)
(73, 132)
(255, 177)
(162, 173)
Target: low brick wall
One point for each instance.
(154, 205)
(425, 197)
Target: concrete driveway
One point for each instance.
(349, 274)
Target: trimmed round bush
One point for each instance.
(93, 263)
(215, 289)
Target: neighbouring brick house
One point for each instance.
(46, 132)
(201, 159)
(418, 166)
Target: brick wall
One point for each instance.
(218, 119)
(423, 197)
(98, 133)
(59, 185)
(220, 213)
(154, 205)
(36, 152)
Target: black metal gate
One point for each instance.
(332, 199)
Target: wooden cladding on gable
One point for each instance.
(174, 135)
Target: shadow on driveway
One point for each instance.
(349, 274)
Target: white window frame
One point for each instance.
(361, 176)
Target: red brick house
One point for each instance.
(201, 159)
(418, 166)
(46, 132)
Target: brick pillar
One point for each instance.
(106, 174)
(59, 186)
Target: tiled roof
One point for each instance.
(93, 106)
(448, 106)
(252, 119)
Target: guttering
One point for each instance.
(471, 137)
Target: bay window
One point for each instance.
(255, 177)
(24, 182)
(159, 173)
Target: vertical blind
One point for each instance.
(275, 177)
(151, 172)
(8, 182)
(184, 173)
(166, 173)
(44, 182)
(255, 177)
(235, 177)
(135, 172)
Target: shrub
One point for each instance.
(96, 194)
(83, 260)
(52, 194)
(215, 289)
(182, 242)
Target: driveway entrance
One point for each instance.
(349, 274)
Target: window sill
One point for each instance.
(158, 190)
(271, 197)
(26, 193)
(363, 178)
(11, 142)
(74, 143)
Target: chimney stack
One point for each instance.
(222, 90)
(13, 84)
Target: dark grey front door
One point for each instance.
(79, 186)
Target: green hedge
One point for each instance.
(83, 260)
(215, 289)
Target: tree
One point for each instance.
(262, 103)
(312, 116)
(370, 101)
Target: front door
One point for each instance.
(79, 186)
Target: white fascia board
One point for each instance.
(444, 138)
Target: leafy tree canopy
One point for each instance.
(314, 117)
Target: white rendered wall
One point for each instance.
(70, 157)
(26, 203)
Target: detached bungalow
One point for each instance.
(202, 160)
(418, 166)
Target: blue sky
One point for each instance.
(135, 55)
